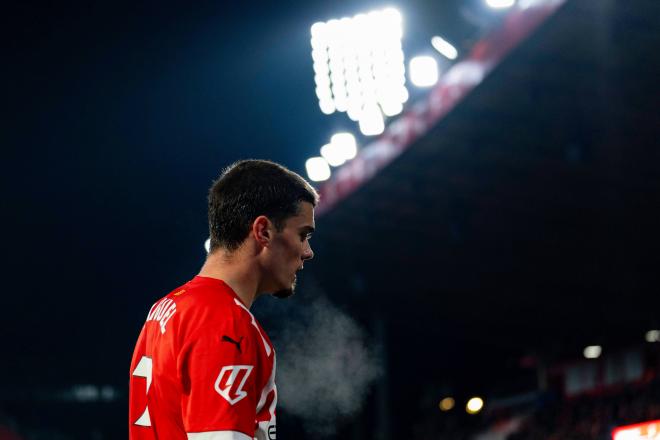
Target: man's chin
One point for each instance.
(284, 293)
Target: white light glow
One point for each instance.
(474, 405)
(423, 71)
(345, 143)
(333, 154)
(207, 245)
(653, 336)
(500, 4)
(327, 106)
(318, 169)
(371, 121)
(392, 108)
(444, 47)
(358, 57)
(592, 351)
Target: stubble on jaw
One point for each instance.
(286, 293)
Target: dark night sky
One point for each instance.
(119, 117)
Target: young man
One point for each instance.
(203, 368)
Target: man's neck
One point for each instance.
(236, 271)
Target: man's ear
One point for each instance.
(262, 230)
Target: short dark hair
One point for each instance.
(248, 189)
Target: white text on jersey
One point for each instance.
(162, 312)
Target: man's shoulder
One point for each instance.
(208, 302)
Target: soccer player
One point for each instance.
(203, 368)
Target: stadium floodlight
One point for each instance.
(342, 147)
(333, 155)
(500, 4)
(207, 245)
(447, 404)
(318, 169)
(653, 336)
(423, 71)
(592, 351)
(474, 405)
(444, 47)
(327, 106)
(371, 121)
(345, 143)
(359, 62)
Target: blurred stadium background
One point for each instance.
(485, 250)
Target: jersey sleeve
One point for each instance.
(219, 392)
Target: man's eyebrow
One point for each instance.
(307, 229)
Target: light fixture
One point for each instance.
(359, 62)
(500, 4)
(447, 404)
(444, 47)
(371, 121)
(474, 405)
(318, 169)
(653, 336)
(592, 351)
(423, 71)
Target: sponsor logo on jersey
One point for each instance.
(230, 382)
(272, 432)
(180, 292)
(162, 312)
(226, 338)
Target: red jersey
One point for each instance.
(203, 369)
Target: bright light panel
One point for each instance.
(592, 351)
(423, 71)
(500, 4)
(359, 62)
(318, 169)
(474, 405)
(444, 47)
(345, 142)
(371, 121)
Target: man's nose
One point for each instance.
(308, 253)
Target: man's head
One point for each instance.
(273, 204)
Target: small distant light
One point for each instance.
(447, 404)
(318, 169)
(653, 336)
(85, 393)
(108, 393)
(423, 71)
(444, 47)
(207, 245)
(500, 4)
(593, 351)
(474, 405)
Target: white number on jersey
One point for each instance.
(143, 369)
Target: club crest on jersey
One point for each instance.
(230, 382)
